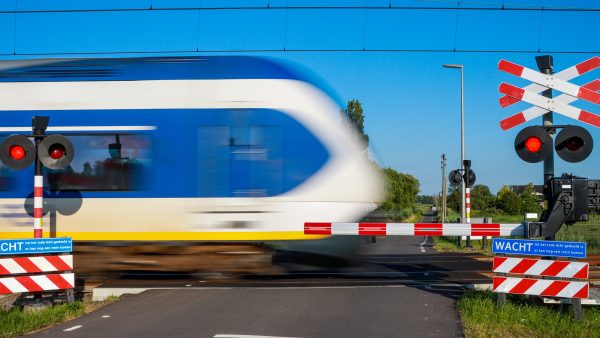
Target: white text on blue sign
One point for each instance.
(539, 248)
(35, 246)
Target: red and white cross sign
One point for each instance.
(558, 81)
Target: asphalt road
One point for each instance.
(387, 311)
(404, 309)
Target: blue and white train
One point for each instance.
(195, 149)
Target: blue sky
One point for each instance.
(388, 58)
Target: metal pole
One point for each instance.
(462, 130)
(462, 137)
(39, 125)
(444, 189)
(545, 65)
(467, 196)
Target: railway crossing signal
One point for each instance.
(455, 177)
(53, 151)
(533, 144)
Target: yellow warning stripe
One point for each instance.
(171, 236)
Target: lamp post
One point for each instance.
(462, 132)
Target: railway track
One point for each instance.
(369, 270)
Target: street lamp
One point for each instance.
(462, 132)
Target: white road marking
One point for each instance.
(422, 249)
(246, 336)
(424, 241)
(188, 285)
(72, 328)
(106, 316)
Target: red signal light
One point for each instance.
(56, 151)
(533, 144)
(16, 152)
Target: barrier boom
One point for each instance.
(415, 229)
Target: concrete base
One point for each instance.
(36, 305)
(100, 294)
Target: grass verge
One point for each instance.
(519, 318)
(449, 244)
(17, 322)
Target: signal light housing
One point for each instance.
(56, 152)
(17, 152)
(574, 144)
(455, 178)
(533, 144)
(472, 177)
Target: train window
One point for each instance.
(240, 161)
(5, 178)
(255, 153)
(116, 162)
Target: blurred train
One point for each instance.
(183, 162)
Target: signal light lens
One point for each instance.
(56, 151)
(574, 143)
(16, 152)
(533, 144)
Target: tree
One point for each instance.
(529, 200)
(402, 190)
(425, 199)
(454, 199)
(354, 113)
(481, 198)
(508, 201)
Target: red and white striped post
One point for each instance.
(39, 125)
(38, 203)
(468, 204)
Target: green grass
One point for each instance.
(519, 318)
(17, 322)
(582, 232)
(588, 232)
(449, 244)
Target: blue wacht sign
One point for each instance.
(35, 246)
(539, 248)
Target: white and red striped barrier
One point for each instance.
(37, 283)
(414, 229)
(541, 267)
(20, 265)
(541, 287)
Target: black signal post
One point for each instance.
(39, 124)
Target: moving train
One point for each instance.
(220, 156)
